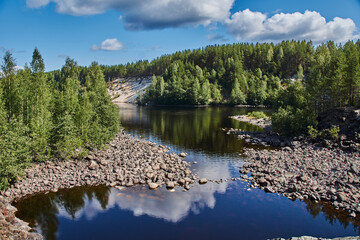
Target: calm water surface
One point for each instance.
(212, 211)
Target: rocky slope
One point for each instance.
(126, 90)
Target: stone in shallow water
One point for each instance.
(203, 181)
(153, 186)
(170, 185)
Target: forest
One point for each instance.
(65, 113)
(295, 78)
(51, 115)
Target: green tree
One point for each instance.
(300, 73)
(10, 86)
(205, 93)
(352, 72)
(216, 94)
(237, 96)
(40, 116)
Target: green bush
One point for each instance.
(14, 152)
(257, 114)
(292, 122)
(313, 133)
(334, 132)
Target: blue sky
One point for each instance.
(121, 31)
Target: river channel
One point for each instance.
(229, 210)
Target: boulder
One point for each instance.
(153, 186)
(93, 165)
(170, 185)
(203, 181)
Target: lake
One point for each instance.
(229, 210)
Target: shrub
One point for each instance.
(313, 133)
(257, 114)
(292, 122)
(334, 132)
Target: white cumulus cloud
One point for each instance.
(256, 26)
(111, 44)
(148, 14)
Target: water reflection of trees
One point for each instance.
(41, 210)
(193, 128)
(332, 215)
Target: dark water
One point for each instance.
(212, 211)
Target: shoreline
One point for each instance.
(260, 122)
(307, 172)
(128, 161)
(300, 169)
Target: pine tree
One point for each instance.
(105, 121)
(216, 94)
(10, 86)
(237, 96)
(159, 88)
(40, 116)
(195, 92)
(300, 73)
(352, 73)
(205, 93)
(65, 134)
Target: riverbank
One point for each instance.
(11, 227)
(260, 122)
(308, 172)
(126, 162)
(266, 138)
(301, 169)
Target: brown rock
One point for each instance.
(170, 185)
(203, 181)
(93, 165)
(153, 186)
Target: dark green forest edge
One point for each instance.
(297, 79)
(62, 114)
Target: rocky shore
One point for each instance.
(316, 238)
(11, 227)
(126, 162)
(265, 139)
(260, 122)
(308, 172)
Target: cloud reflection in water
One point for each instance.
(163, 204)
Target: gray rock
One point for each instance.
(130, 183)
(103, 162)
(170, 185)
(203, 181)
(182, 181)
(342, 196)
(153, 186)
(93, 165)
